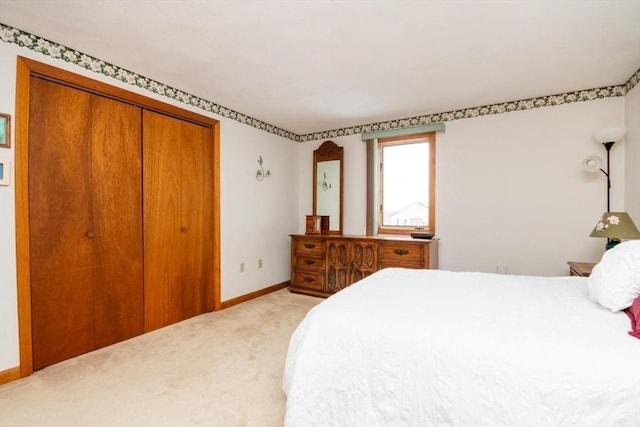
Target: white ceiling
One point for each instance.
(309, 66)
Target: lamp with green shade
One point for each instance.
(615, 226)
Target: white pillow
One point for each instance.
(615, 281)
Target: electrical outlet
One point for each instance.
(242, 267)
(260, 263)
(501, 268)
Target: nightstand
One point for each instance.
(582, 269)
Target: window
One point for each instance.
(405, 184)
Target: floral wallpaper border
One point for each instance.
(55, 50)
(505, 107)
(632, 82)
(21, 38)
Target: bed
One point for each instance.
(422, 348)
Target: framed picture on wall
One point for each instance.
(5, 172)
(5, 131)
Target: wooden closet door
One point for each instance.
(197, 217)
(116, 164)
(59, 200)
(85, 221)
(178, 227)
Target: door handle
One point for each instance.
(90, 234)
(183, 229)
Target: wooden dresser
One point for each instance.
(322, 265)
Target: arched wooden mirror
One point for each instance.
(327, 184)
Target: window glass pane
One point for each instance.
(405, 185)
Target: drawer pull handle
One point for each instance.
(307, 279)
(309, 261)
(309, 245)
(400, 251)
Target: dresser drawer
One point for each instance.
(308, 279)
(393, 253)
(309, 247)
(309, 263)
(383, 264)
(322, 265)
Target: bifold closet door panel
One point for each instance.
(62, 272)
(116, 160)
(197, 217)
(178, 231)
(161, 201)
(85, 221)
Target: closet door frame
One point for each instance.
(26, 68)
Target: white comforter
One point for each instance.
(437, 348)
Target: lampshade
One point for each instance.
(592, 164)
(609, 134)
(615, 225)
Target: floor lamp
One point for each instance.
(607, 137)
(612, 225)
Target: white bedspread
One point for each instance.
(438, 348)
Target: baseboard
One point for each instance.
(243, 298)
(10, 375)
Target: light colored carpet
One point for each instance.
(218, 369)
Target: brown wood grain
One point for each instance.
(9, 375)
(178, 221)
(116, 206)
(196, 217)
(255, 294)
(25, 70)
(85, 221)
(23, 264)
(348, 259)
(162, 222)
(59, 210)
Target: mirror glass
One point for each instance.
(327, 184)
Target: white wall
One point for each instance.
(510, 188)
(256, 218)
(632, 154)
(8, 291)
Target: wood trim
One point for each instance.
(430, 137)
(7, 130)
(23, 265)
(217, 241)
(432, 184)
(25, 69)
(329, 150)
(85, 83)
(253, 295)
(10, 375)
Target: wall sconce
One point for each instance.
(607, 137)
(261, 173)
